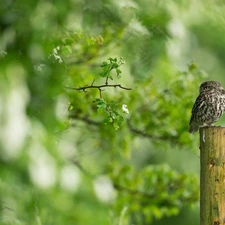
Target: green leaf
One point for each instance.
(115, 65)
(108, 119)
(122, 61)
(70, 107)
(110, 77)
(118, 72)
(104, 64)
(101, 105)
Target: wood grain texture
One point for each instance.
(212, 176)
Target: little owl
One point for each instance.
(209, 105)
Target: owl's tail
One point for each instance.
(193, 128)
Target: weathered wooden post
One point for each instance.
(212, 176)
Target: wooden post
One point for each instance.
(212, 176)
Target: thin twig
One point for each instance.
(106, 81)
(92, 82)
(132, 191)
(83, 170)
(98, 87)
(85, 119)
(100, 92)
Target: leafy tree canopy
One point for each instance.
(95, 103)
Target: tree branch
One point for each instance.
(85, 119)
(144, 134)
(106, 81)
(134, 130)
(98, 87)
(133, 191)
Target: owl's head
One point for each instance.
(211, 86)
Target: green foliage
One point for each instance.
(112, 110)
(154, 192)
(112, 65)
(77, 154)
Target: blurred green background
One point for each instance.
(62, 162)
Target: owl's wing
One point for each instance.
(199, 104)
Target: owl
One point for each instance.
(208, 107)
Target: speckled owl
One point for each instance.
(209, 105)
